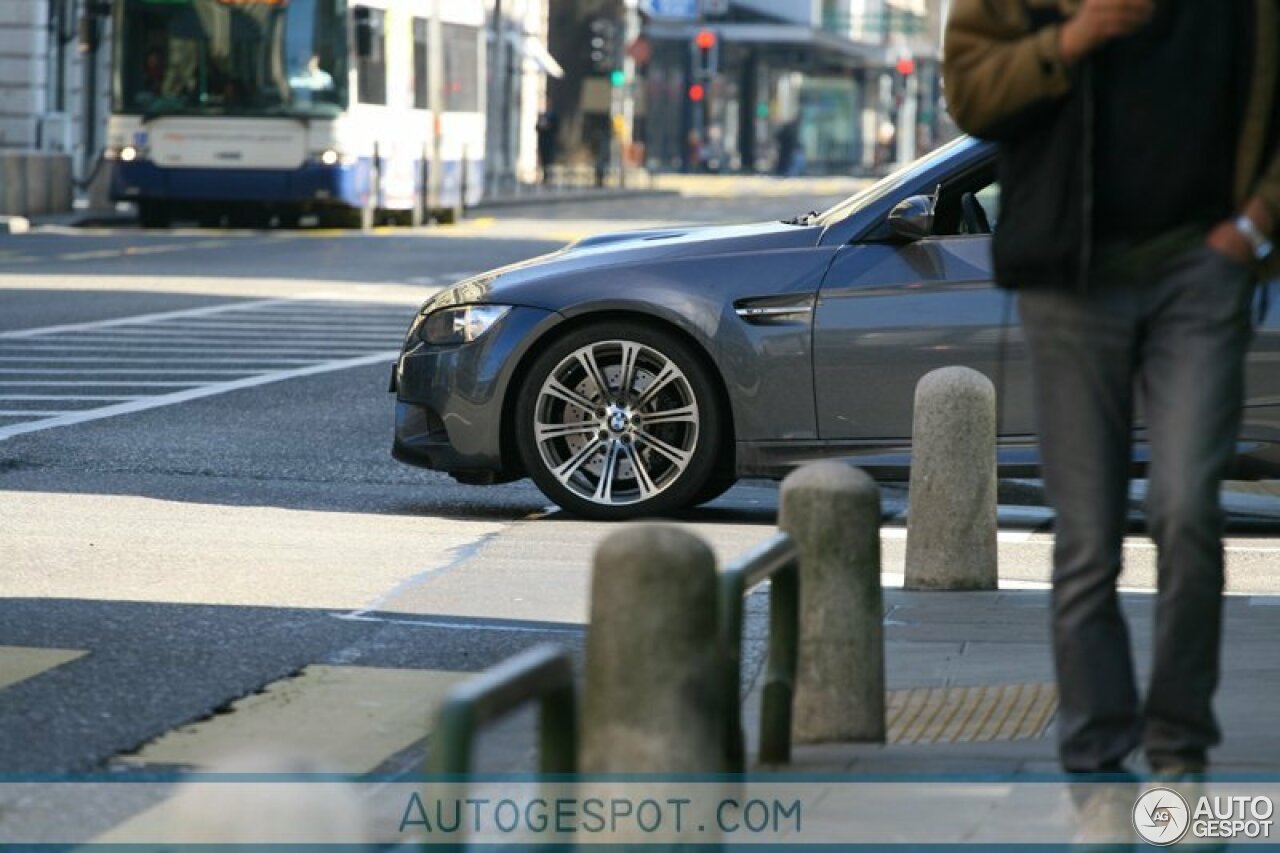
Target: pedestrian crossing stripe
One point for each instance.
(18, 663)
(342, 719)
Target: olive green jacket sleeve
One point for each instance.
(994, 66)
(1267, 92)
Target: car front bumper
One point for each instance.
(451, 401)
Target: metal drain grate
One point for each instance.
(986, 712)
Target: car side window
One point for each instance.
(969, 204)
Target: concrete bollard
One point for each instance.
(13, 183)
(653, 700)
(61, 184)
(951, 521)
(37, 174)
(833, 512)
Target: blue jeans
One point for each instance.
(1178, 337)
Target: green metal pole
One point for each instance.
(731, 593)
(780, 675)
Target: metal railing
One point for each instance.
(776, 560)
(545, 674)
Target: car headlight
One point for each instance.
(451, 326)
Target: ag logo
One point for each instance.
(1161, 817)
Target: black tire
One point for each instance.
(702, 433)
(249, 216)
(358, 219)
(715, 487)
(155, 214)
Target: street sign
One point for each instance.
(682, 9)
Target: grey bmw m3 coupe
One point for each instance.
(634, 374)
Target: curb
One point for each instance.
(74, 219)
(588, 196)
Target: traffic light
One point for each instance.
(707, 46)
(604, 45)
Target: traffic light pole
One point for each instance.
(631, 32)
(501, 169)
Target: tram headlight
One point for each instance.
(128, 154)
(329, 157)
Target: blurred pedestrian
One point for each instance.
(788, 141)
(1140, 184)
(548, 130)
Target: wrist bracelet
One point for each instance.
(1262, 246)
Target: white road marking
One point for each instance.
(37, 397)
(115, 359)
(130, 251)
(446, 278)
(362, 616)
(140, 347)
(97, 371)
(179, 356)
(137, 320)
(54, 383)
(196, 393)
(336, 326)
(189, 334)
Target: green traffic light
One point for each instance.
(618, 79)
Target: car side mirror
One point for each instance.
(912, 218)
(364, 32)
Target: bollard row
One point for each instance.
(663, 656)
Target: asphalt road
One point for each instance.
(193, 548)
(204, 544)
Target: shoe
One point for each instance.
(1178, 768)
(1104, 815)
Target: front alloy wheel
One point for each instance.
(618, 422)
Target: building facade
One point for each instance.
(520, 64)
(54, 100)
(785, 86)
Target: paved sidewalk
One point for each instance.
(998, 643)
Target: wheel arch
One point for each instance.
(726, 460)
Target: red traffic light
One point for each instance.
(705, 40)
(906, 66)
(697, 92)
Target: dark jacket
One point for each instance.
(1005, 81)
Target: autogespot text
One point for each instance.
(601, 816)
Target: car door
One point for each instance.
(891, 311)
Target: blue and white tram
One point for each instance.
(356, 110)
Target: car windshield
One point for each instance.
(893, 183)
(231, 57)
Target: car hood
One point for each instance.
(517, 283)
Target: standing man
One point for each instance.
(548, 130)
(1140, 189)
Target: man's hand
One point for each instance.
(1227, 239)
(1098, 22)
